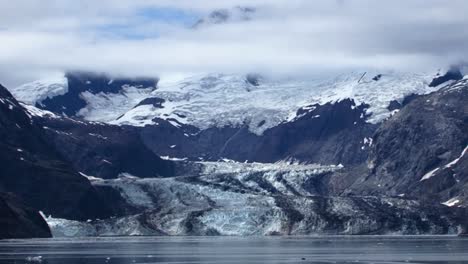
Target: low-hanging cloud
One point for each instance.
(294, 37)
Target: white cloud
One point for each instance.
(286, 37)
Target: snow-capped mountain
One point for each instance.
(327, 119)
(219, 100)
(227, 100)
(78, 93)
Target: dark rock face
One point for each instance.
(104, 151)
(155, 101)
(377, 77)
(328, 134)
(453, 74)
(420, 151)
(395, 105)
(19, 221)
(186, 141)
(36, 173)
(78, 82)
(253, 79)
(463, 220)
(325, 134)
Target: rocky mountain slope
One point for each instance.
(422, 150)
(36, 171)
(19, 221)
(98, 149)
(327, 134)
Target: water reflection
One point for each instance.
(221, 250)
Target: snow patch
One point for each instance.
(429, 175)
(452, 202)
(449, 165)
(34, 111)
(90, 178)
(173, 159)
(455, 161)
(98, 136)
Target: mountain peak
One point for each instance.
(222, 16)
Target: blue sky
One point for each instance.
(174, 16)
(171, 15)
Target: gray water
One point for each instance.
(243, 250)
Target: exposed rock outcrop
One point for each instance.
(20, 221)
(103, 150)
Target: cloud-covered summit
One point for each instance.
(149, 38)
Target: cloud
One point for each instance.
(296, 37)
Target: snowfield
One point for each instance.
(37, 91)
(222, 100)
(230, 100)
(107, 107)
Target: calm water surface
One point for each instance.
(237, 250)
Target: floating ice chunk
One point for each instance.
(37, 259)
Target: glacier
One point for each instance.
(239, 199)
